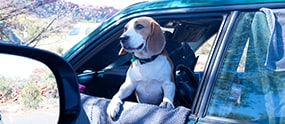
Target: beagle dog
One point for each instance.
(150, 74)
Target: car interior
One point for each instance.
(104, 74)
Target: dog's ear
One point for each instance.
(122, 51)
(156, 40)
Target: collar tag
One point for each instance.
(133, 59)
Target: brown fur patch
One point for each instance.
(122, 51)
(152, 34)
(164, 52)
(156, 40)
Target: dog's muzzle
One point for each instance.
(124, 40)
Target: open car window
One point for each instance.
(186, 40)
(188, 43)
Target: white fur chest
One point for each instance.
(157, 70)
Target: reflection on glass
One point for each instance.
(246, 90)
(28, 91)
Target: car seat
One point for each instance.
(184, 61)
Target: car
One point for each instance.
(7, 35)
(228, 57)
(78, 32)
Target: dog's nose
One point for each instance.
(124, 38)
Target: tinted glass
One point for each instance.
(246, 89)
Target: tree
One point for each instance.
(38, 20)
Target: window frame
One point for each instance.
(213, 65)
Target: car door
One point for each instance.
(245, 80)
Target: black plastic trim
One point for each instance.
(66, 79)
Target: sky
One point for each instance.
(15, 66)
(119, 4)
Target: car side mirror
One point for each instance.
(70, 110)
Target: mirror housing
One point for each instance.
(66, 79)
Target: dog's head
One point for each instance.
(142, 34)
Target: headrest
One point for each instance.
(189, 32)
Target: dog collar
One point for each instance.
(143, 61)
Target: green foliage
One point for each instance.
(36, 92)
(31, 96)
(5, 83)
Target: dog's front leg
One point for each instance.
(169, 92)
(125, 90)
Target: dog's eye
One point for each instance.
(139, 26)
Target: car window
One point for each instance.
(203, 52)
(74, 31)
(28, 91)
(187, 39)
(246, 89)
(7, 35)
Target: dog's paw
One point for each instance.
(113, 108)
(167, 104)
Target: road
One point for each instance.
(32, 117)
